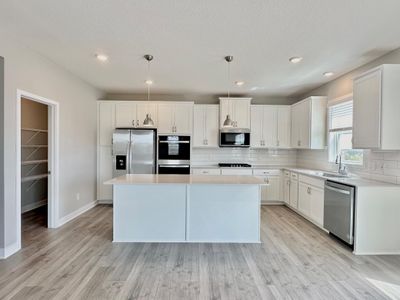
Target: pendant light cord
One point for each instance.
(148, 85)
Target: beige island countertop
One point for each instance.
(135, 179)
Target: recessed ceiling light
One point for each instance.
(328, 74)
(149, 82)
(102, 57)
(239, 83)
(295, 59)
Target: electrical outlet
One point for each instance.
(78, 196)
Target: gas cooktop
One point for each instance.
(233, 165)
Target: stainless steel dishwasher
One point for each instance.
(339, 210)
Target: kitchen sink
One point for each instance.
(334, 175)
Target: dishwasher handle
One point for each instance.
(337, 190)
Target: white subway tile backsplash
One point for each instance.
(251, 156)
(378, 165)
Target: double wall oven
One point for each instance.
(174, 154)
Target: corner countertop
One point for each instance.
(353, 180)
(138, 179)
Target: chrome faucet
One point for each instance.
(342, 167)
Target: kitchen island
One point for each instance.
(186, 208)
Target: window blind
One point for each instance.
(341, 116)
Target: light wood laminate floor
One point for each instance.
(295, 261)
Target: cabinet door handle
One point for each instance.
(309, 190)
(137, 123)
(133, 123)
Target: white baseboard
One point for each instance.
(105, 201)
(33, 206)
(76, 213)
(9, 250)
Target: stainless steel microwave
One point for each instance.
(234, 137)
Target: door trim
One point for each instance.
(53, 160)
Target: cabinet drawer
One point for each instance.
(206, 171)
(265, 172)
(294, 175)
(236, 172)
(319, 183)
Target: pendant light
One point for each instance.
(148, 121)
(228, 122)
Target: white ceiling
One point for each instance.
(190, 38)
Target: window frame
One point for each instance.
(334, 102)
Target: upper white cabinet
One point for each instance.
(106, 122)
(175, 117)
(284, 124)
(238, 109)
(270, 126)
(376, 107)
(205, 125)
(309, 123)
(132, 114)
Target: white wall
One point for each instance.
(383, 166)
(29, 71)
(1, 155)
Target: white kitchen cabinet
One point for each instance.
(317, 206)
(206, 171)
(270, 126)
(105, 122)
(237, 171)
(133, 113)
(294, 190)
(270, 191)
(311, 199)
(175, 117)
(286, 187)
(304, 205)
(308, 128)
(238, 109)
(205, 126)
(283, 126)
(104, 173)
(376, 107)
(256, 126)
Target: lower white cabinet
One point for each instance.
(104, 173)
(207, 171)
(311, 199)
(270, 191)
(238, 171)
(286, 187)
(294, 190)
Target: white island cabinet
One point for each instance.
(186, 208)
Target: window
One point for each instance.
(341, 133)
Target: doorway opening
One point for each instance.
(34, 163)
(37, 165)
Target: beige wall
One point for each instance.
(199, 99)
(29, 71)
(344, 84)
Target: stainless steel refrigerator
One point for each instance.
(134, 151)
